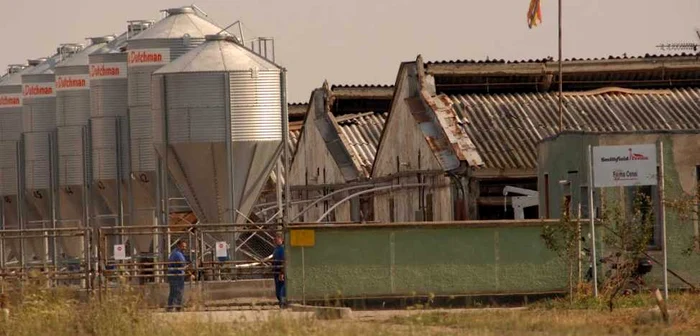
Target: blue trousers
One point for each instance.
(280, 290)
(177, 291)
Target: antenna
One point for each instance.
(683, 46)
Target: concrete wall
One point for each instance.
(440, 259)
(681, 156)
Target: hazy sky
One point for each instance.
(363, 41)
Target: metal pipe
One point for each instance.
(53, 185)
(278, 187)
(331, 195)
(120, 178)
(392, 187)
(591, 218)
(20, 195)
(165, 181)
(231, 218)
(662, 216)
(285, 143)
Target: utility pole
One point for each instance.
(561, 77)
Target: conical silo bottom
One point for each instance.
(71, 215)
(11, 223)
(108, 192)
(144, 206)
(201, 170)
(39, 201)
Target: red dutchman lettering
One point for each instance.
(100, 71)
(144, 57)
(35, 90)
(9, 101)
(63, 83)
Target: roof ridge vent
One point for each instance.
(36, 61)
(616, 89)
(179, 10)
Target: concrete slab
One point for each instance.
(324, 313)
(230, 316)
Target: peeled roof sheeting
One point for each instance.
(362, 133)
(506, 128)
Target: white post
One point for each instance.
(662, 216)
(591, 218)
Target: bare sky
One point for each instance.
(363, 41)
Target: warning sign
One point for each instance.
(221, 249)
(119, 252)
(303, 238)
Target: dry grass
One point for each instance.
(44, 312)
(561, 317)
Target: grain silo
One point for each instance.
(179, 32)
(39, 146)
(10, 134)
(109, 138)
(222, 105)
(72, 115)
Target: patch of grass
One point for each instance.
(561, 317)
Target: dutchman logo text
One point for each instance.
(75, 82)
(108, 70)
(40, 90)
(630, 157)
(149, 57)
(8, 100)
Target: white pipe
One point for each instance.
(368, 191)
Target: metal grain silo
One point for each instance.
(38, 144)
(179, 32)
(72, 116)
(219, 110)
(109, 138)
(10, 134)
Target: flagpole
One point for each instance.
(561, 78)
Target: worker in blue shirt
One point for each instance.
(176, 276)
(278, 270)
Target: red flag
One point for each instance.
(534, 14)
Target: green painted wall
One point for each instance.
(568, 152)
(407, 261)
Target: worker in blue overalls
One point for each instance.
(176, 276)
(278, 271)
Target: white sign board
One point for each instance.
(119, 252)
(221, 249)
(624, 166)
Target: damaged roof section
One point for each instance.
(506, 128)
(440, 124)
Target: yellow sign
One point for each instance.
(303, 238)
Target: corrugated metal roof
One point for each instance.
(506, 128)
(179, 23)
(551, 59)
(218, 54)
(362, 132)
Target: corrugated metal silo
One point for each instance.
(109, 126)
(222, 105)
(38, 126)
(10, 134)
(72, 115)
(179, 32)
